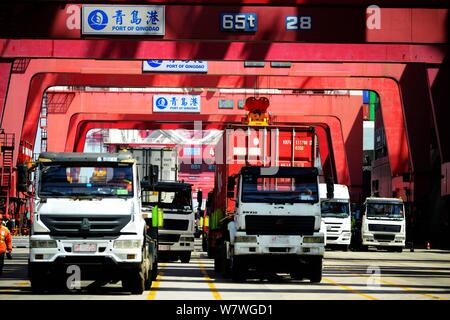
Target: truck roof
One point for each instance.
(340, 191)
(384, 200)
(168, 186)
(85, 157)
(280, 171)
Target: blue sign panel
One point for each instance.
(123, 20)
(176, 103)
(238, 22)
(175, 66)
(366, 97)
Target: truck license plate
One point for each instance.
(85, 247)
(281, 239)
(163, 247)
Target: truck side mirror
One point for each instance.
(22, 178)
(230, 187)
(231, 184)
(330, 187)
(199, 198)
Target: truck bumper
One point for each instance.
(369, 239)
(269, 245)
(186, 243)
(343, 238)
(102, 250)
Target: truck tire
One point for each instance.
(399, 249)
(315, 270)
(221, 263)
(38, 283)
(39, 280)
(185, 257)
(345, 247)
(136, 281)
(296, 275)
(238, 269)
(154, 270)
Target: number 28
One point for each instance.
(298, 23)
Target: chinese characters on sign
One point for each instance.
(123, 20)
(176, 103)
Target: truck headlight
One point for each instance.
(127, 244)
(313, 239)
(245, 239)
(43, 244)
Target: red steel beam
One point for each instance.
(195, 23)
(346, 109)
(5, 74)
(381, 3)
(210, 50)
(83, 122)
(388, 89)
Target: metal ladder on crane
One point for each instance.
(6, 168)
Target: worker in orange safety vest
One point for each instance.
(5, 244)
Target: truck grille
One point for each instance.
(279, 225)
(162, 238)
(384, 227)
(173, 224)
(384, 237)
(85, 226)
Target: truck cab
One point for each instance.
(276, 225)
(383, 223)
(336, 215)
(176, 236)
(87, 215)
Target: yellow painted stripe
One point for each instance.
(350, 289)
(412, 290)
(210, 283)
(398, 286)
(155, 284)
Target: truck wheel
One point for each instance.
(39, 283)
(315, 270)
(204, 245)
(238, 270)
(136, 281)
(296, 275)
(154, 270)
(39, 280)
(185, 257)
(221, 262)
(345, 247)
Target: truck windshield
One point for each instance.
(168, 199)
(334, 209)
(86, 181)
(296, 189)
(385, 211)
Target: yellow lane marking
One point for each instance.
(210, 282)
(350, 289)
(398, 285)
(156, 283)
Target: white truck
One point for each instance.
(383, 223)
(276, 225)
(87, 222)
(176, 236)
(336, 215)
